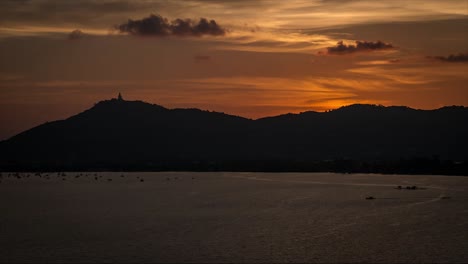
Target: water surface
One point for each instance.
(232, 217)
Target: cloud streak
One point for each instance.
(360, 46)
(278, 14)
(461, 57)
(158, 26)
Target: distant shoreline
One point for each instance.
(416, 166)
(266, 172)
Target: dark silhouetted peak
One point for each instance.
(120, 103)
(116, 107)
(126, 133)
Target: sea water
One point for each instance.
(232, 217)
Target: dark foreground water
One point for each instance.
(233, 217)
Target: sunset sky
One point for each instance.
(248, 58)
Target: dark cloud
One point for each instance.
(156, 25)
(460, 57)
(76, 34)
(341, 48)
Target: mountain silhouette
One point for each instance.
(134, 135)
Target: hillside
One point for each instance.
(118, 134)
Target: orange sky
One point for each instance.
(274, 56)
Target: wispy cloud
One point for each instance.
(360, 46)
(460, 57)
(317, 94)
(398, 76)
(264, 40)
(414, 73)
(293, 14)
